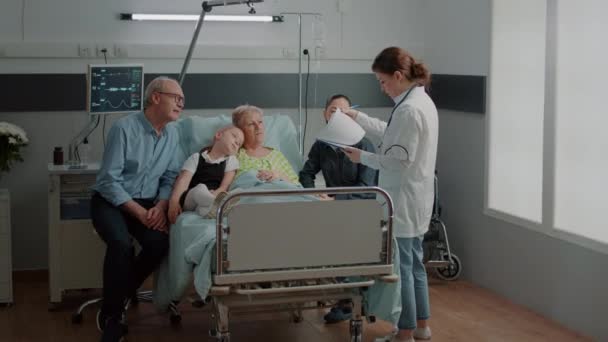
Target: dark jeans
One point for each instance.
(123, 272)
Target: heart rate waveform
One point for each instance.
(115, 89)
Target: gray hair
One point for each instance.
(154, 86)
(240, 111)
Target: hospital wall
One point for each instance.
(556, 278)
(38, 37)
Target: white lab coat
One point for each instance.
(406, 160)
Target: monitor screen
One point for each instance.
(115, 88)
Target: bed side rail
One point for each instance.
(317, 234)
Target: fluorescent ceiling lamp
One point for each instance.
(195, 17)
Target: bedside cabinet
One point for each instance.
(75, 251)
(6, 263)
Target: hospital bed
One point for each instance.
(279, 249)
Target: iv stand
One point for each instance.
(207, 7)
(300, 128)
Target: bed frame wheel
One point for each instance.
(296, 316)
(356, 331)
(451, 271)
(175, 316)
(175, 319)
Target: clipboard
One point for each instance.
(331, 143)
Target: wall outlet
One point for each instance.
(86, 50)
(290, 53)
(109, 49)
(120, 50)
(320, 52)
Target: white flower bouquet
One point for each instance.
(12, 138)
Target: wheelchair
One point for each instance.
(436, 246)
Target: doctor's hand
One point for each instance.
(354, 154)
(351, 112)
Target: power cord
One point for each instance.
(105, 56)
(76, 154)
(307, 54)
(103, 131)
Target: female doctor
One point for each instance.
(406, 164)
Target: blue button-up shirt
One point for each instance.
(137, 162)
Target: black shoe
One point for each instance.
(114, 330)
(102, 319)
(338, 314)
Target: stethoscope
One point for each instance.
(391, 118)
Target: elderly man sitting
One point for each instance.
(130, 199)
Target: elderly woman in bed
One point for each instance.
(269, 163)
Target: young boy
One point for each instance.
(206, 175)
(336, 168)
(337, 171)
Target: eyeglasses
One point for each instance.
(176, 97)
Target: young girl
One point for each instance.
(206, 174)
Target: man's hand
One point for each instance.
(354, 154)
(141, 215)
(157, 217)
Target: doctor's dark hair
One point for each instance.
(395, 58)
(335, 97)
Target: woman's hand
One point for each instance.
(354, 154)
(325, 197)
(268, 175)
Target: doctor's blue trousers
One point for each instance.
(414, 284)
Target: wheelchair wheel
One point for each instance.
(452, 271)
(76, 318)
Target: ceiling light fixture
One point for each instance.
(195, 17)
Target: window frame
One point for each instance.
(547, 225)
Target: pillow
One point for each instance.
(196, 132)
(281, 134)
